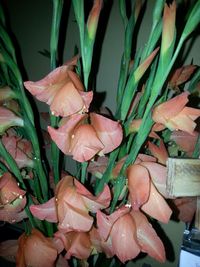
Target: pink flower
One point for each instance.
(175, 115)
(9, 189)
(121, 229)
(8, 119)
(84, 141)
(63, 91)
(125, 233)
(14, 212)
(35, 250)
(76, 244)
(74, 201)
(20, 149)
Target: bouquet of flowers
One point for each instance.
(104, 210)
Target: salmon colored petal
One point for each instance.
(105, 222)
(185, 140)
(144, 157)
(124, 240)
(61, 262)
(8, 250)
(147, 237)
(46, 88)
(45, 211)
(87, 99)
(186, 207)
(138, 185)
(38, 251)
(67, 102)
(64, 134)
(73, 219)
(181, 75)
(181, 122)
(94, 203)
(156, 206)
(159, 152)
(169, 109)
(9, 189)
(109, 131)
(80, 247)
(85, 143)
(158, 174)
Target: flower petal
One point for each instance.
(108, 131)
(138, 185)
(45, 211)
(156, 206)
(147, 237)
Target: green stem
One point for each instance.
(56, 19)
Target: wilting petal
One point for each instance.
(108, 131)
(147, 237)
(97, 167)
(46, 211)
(64, 134)
(20, 150)
(9, 189)
(124, 240)
(8, 249)
(158, 174)
(169, 109)
(156, 206)
(93, 203)
(138, 185)
(105, 222)
(186, 208)
(181, 75)
(85, 143)
(8, 119)
(36, 250)
(185, 140)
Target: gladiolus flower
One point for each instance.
(76, 244)
(159, 151)
(20, 149)
(14, 212)
(8, 119)
(121, 228)
(175, 116)
(186, 207)
(9, 189)
(63, 91)
(84, 141)
(35, 250)
(74, 201)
